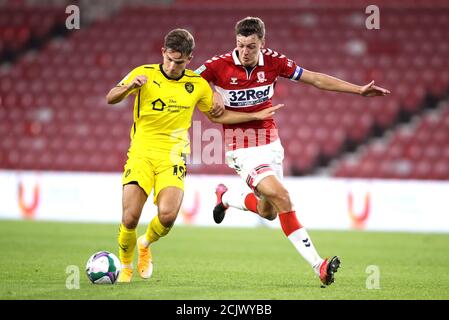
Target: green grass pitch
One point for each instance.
(223, 263)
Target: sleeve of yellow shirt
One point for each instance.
(205, 102)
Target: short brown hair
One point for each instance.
(180, 40)
(249, 26)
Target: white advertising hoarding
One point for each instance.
(320, 203)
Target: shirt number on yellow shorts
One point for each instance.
(179, 171)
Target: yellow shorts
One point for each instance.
(157, 170)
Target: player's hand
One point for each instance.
(268, 112)
(370, 90)
(137, 82)
(218, 105)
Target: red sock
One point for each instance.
(251, 202)
(289, 222)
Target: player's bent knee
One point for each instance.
(272, 216)
(130, 222)
(269, 214)
(130, 217)
(167, 217)
(281, 198)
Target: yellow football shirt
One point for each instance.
(163, 108)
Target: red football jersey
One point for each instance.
(248, 90)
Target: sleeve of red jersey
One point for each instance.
(206, 71)
(288, 68)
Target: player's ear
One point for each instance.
(263, 43)
(163, 50)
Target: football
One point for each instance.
(103, 267)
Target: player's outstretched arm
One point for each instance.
(119, 93)
(326, 82)
(231, 117)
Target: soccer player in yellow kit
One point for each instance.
(165, 97)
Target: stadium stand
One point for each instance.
(54, 115)
(419, 150)
(23, 26)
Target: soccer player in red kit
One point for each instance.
(245, 79)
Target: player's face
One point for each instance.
(249, 48)
(174, 62)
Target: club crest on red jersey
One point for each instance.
(261, 77)
(233, 80)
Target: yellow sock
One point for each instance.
(126, 243)
(156, 230)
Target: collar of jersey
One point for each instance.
(237, 62)
(165, 75)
